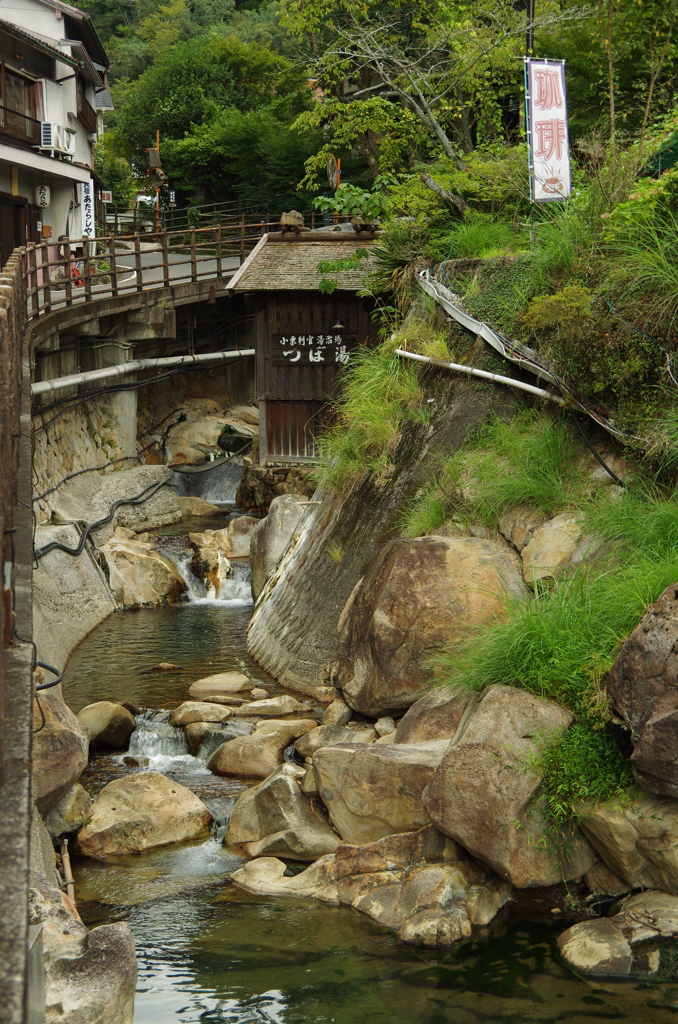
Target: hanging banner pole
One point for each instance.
(548, 143)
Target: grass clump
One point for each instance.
(532, 460)
(560, 644)
(380, 395)
(584, 765)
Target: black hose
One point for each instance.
(594, 452)
(138, 500)
(50, 668)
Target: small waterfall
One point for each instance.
(216, 482)
(230, 587)
(156, 744)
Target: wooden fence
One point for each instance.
(84, 268)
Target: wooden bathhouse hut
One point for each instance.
(302, 336)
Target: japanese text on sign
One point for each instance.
(305, 349)
(87, 209)
(548, 142)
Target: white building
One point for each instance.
(52, 91)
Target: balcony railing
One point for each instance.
(19, 126)
(87, 115)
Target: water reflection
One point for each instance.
(203, 639)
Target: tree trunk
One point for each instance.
(449, 197)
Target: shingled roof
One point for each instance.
(289, 262)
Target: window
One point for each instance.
(17, 116)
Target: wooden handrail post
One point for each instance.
(68, 284)
(46, 287)
(165, 259)
(137, 261)
(32, 262)
(86, 274)
(113, 265)
(194, 261)
(219, 267)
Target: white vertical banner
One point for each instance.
(87, 209)
(548, 142)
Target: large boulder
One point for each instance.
(260, 753)
(276, 818)
(418, 596)
(271, 707)
(220, 683)
(329, 735)
(199, 711)
(271, 537)
(638, 841)
(644, 690)
(238, 536)
(371, 790)
(90, 975)
(337, 713)
(607, 946)
(485, 796)
(138, 573)
(551, 548)
(267, 876)
(90, 496)
(141, 812)
(189, 441)
(419, 884)
(435, 716)
(109, 724)
(60, 750)
(71, 813)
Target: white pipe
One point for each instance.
(473, 372)
(59, 383)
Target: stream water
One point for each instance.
(210, 953)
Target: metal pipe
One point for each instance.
(471, 371)
(68, 874)
(59, 383)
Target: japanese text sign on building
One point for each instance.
(87, 210)
(547, 136)
(309, 349)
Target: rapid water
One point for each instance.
(216, 482)
(209, 953)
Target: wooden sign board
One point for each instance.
(312, 349)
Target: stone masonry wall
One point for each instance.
(80, 438)
(261, 484)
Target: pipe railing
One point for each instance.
(59, 274)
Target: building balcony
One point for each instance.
(19, 126)
(87, 115)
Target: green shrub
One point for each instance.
(585, 765)
(567, 310)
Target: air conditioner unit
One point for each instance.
(68, 139)
(50, 135)
(56, 138)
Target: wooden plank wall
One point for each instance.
(294, 399)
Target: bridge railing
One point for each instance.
(57, 275)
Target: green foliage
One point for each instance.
(385, 134)
(195, 82)
(568, 310)
(646, 266)
(351, 201)
(585, 765)
(114, 171)
(380, 395)
(481, 236)
(530, 461)
(218, 158)
(327, 285)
